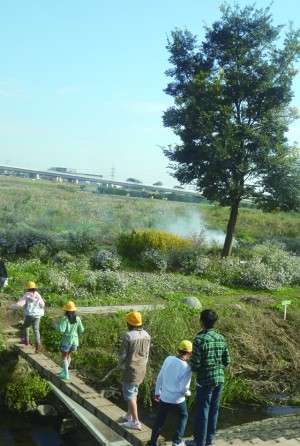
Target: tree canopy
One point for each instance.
(232, 96)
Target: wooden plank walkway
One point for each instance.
(85, 396)
(110, 414)
(111, 309)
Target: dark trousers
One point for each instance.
(206, 414)
(181, 410)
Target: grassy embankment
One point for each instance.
(264, 347)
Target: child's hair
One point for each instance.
(182, 352)
(71, 315)
(209, 318)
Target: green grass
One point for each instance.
(58, 208)
(264, 347)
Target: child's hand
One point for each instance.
(157, 398)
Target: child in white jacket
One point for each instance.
(33, 311)
(171, 390)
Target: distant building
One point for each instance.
(63, 170)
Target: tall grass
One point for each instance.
(58, 209)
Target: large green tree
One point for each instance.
(232, 96)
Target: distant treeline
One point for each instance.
(170, 196)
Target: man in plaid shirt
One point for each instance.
(209, 358)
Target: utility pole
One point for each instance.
(113, 173)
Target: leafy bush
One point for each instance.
(269, 267)
(105, 260)
(187, 261)
(59, 282)
(259, 276)
(40, 252)
(153, 260)
(23, 240)
(133, 244)
(62, 258)
(24, 390)
(80, 241)
(51, 337)
(227, 271)
(285, 265)
(106, 282)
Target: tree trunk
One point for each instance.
(227, 247)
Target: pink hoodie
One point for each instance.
(32, 302)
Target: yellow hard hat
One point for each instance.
(185, 346)
(30, 285)
(134, 318)
(69, 306)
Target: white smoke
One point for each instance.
(192, 224)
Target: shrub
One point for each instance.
(59, 282)
(40, 252)
(24, 390)
(106, 282)
(187, 261)
(62, 258)
(227, 270)
(285, 265)
(133, 244)
(22, 241)
(105, 260)
(259, 276)
(269, 267)
(153, 260)
(80, 241)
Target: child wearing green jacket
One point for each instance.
(70, 326)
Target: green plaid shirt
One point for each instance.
(209, 358)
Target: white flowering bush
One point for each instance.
(109, 282)
(78, 270)
(164, 285)
(270, 267)
(285, 265)
(105, 260)
(202, 266)
(228, 270)
(153, 260)
(59, 282)
(258, 275)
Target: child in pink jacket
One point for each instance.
(33, 311)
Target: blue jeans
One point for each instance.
(206, 414)
(163, 409)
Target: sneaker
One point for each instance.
(126, 417)
(190, 443)
(37, 347)
(64, 375)
(23, 341)
(133, 425)
(60, 373)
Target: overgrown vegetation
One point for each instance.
(123, 250)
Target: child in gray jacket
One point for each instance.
(33, 311)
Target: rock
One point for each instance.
(46, 410)
(251, 300)
(68, 424)
(191, 301)
(237, 307)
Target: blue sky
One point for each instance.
(81, 83)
